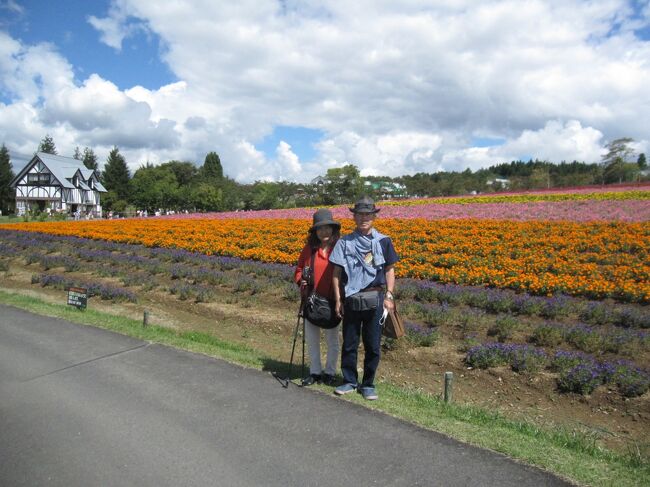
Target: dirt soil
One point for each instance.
(266, 323)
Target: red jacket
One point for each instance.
(323, 270)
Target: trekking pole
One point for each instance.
(293, 346)
(302, 368)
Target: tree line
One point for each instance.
(183, 185)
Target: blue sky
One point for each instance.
(287, 90)
(65, 25)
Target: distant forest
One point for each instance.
(185, 186)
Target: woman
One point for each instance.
(320, 241)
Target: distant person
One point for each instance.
(365, 262)
(321, 239)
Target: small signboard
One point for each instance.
(78, 296)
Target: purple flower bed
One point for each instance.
(104, 291)
(582, 378)
(488, 355)
(422, 336)
(528, 359)
(564, 360)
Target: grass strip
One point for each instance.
(567, 453)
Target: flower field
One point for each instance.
(595, 259)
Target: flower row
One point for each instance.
(578, 372)
(596, 260)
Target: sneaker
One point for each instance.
(369, 393)
(312, 379)
(328, 379)
(345, 389)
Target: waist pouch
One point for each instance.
(362, 301)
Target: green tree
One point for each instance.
(185, 172)
(343, 184)
(641, 162)
(47, 145)
(77, 153)
(6, 175)
(90, 159)
(154, 187)
(206, 197)
(116, 175)
(616, 165)
(212, 168)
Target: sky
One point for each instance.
(287, 89)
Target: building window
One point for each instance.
(38, 179)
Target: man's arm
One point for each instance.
(389, 299)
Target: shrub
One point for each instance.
(421, 336)
(436, 315)
(528, 359)
(629, 317)
(182, 290)
(203, 294)
(555, 306)
(564, 360)
(631, 380)
(488, 355)
(585, 338)
(504, 327)
(582, 379)
(526, 304)
(596, 313)
(470, 340)
(548, 335)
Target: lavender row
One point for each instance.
(105, 291)
(578, 372)
(508, 301)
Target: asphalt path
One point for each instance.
(81, 406)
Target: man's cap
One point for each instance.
(365, 205)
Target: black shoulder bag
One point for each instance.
(318, 309)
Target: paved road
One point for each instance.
(80, 406)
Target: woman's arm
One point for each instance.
(336, 284)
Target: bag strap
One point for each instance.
(312, 284)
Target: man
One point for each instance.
(365, 262)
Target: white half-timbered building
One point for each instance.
(60, 184)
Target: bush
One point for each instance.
(421, 336)
(630, 379)
(504, 328)
(548, 335)
(585, 338)
(556, 306)
(488, 355)
(470, 340)
(564, 360)
(629, 317)
(582, 379)
(596, 313)
(528, 359)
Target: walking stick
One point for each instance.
(287, 379)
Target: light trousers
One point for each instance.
(312, 337)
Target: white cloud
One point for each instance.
(397, 87)
(287, 160)
(556, 142)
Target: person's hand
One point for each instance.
(339, 308)
(303, 288)
(389, 304)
